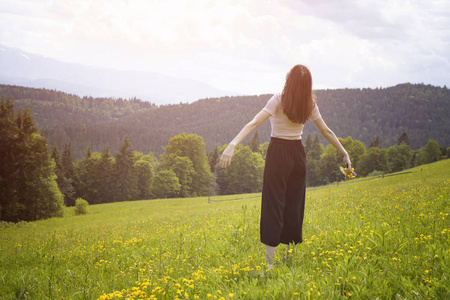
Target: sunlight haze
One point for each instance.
(242, 46)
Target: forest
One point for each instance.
(417, 109)
(37, 179)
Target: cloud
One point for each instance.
(242, 45)
(377, 42)
(365, 19)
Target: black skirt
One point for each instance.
(283, 194)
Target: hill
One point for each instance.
(382, 238)
(420, 110)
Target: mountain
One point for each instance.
(419, 110)
(31, 70)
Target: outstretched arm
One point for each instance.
(225, 159)
(329, 135)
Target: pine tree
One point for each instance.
(213, 158)
(315, 150)
(254, 143)
(87, 179)
(65, 185)
(28, 188)
(67, 161)
(403, 139)
(105, 173)
(59, 170)
(125, 178)
(68, 166)
(308, 143)
(88, 152)
(375, 142)
(444, 151)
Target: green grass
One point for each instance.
(382, 238)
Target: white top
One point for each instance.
(282, 127)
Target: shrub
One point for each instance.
(20, 224)
(375, 173)
(81, 206)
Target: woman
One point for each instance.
(283, 193)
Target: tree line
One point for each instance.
(186, 169)
(53, 109)
(418, 109)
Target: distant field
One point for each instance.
(382, 238)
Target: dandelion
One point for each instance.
(348, 173)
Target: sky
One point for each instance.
(244, 46)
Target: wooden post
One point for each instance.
(209, 199)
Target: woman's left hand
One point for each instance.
(225, 159)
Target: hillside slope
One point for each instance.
(420, 110)
(385, 238)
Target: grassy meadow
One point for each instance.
(386, 238)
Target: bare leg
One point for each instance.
(288, 247)
(270, 253)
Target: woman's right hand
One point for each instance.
(348, 161)
(225, 159)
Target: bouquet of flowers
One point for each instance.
(348, 173)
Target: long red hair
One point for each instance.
(297, 98)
